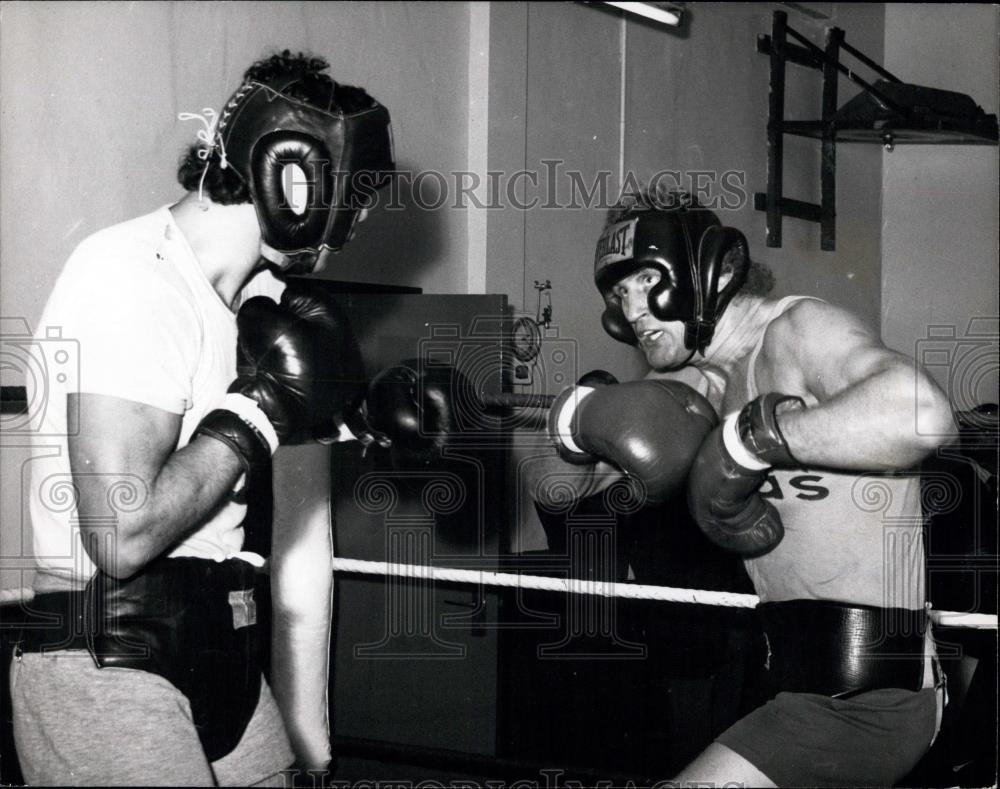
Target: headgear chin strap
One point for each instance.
(344, 156)
(688, 245)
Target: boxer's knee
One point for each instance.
(719, 766)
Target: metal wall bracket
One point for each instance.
(888, 112)
(777, 206)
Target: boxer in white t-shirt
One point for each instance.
(196, 363)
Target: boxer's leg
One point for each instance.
(262, 752)
(805, 739)
(719, 766)
(75, 724)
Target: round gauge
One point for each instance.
(526, 338)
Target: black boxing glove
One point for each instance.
(597, 378)
(413, 406)
(298, 366)
(729, 469)
(650, 429)
(345, 390)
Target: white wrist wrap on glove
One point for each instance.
(247, 409)
(735, 447)
(564, 419)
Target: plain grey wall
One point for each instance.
(940, 261)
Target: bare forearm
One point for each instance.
(301, 589)
(158, 512)
(889, 421)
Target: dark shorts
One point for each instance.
(802, 739)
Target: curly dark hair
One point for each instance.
(308, 83)
(759, 279)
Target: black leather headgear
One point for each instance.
(263, 129)
(687, 244)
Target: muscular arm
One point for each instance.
(869, 407)
(123, 464)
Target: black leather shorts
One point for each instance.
(192, 621)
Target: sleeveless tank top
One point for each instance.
(850, 537)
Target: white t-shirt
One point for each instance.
(136, 310)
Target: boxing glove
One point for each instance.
(414, 404)
(650, 429)
(298, 366)
(597, 378)
(554, 483)
(570, 452)
(728, 470)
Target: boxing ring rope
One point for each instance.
(626, 590)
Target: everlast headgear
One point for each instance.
(687, 244)
(343, 155)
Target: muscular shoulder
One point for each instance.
(812, 322)
(814, 346)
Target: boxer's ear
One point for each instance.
(724, 259)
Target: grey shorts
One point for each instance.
(872, 739)
(75, 724)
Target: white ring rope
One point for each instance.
(626, 590)
(546, 583)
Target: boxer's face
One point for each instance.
(661, 341)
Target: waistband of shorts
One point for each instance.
(839, 650)
(52, 622)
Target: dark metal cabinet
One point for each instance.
(416, 661)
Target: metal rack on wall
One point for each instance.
(887, 112)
